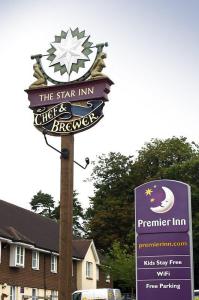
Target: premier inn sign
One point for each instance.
(74, 105)
(164, 241)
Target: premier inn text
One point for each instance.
(161, 222)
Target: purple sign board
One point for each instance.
(164, 268)
(71, 92)
(69, 108)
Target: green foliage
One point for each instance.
(78, 217)
(196, 247)
(120, 264)
(158, 155)
(44, 204)
(110, 215)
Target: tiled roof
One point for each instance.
(22, 225)
(80, 248)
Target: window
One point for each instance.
(35, 260)
(54, 295)
(89, 270)
(17, 256)
(20, 255)
(53, 267)
(97, 273)
(12, 293)
(108, 278)
(34, 294)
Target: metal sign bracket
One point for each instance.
(65, 153)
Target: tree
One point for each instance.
(189, 172)
(158, 155)
(44, 204)
(110, 215)
(78, 217)
(196, 248)
(120, 264)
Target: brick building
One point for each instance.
(29, 257)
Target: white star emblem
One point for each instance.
(69, 50)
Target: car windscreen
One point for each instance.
(77, 296)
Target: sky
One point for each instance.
(152, 58)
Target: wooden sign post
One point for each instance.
(66, 209)
(63, 109)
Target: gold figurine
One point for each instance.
(98, 66)
(41, 80)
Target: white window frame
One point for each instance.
(89, 270)
(19, 256)
(108, 278)
(97, 273)
(35, 260)
(34, 294)
(54, 295)
(12, 292)
(53, 263)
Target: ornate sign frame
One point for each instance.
(69, 107)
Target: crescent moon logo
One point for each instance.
(166, 204)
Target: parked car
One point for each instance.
(196, 295)
(94, 294)
(117, 294)
(127, 296)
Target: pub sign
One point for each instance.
(80, 90)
